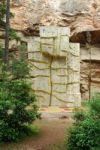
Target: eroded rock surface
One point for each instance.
(79, 15)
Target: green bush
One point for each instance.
(85, 134)
(18, 107)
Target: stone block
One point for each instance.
(41, 84)
(59, 79)
(43, 99)
(34, 45)
(60, 96)
(75, 49)
(38, 57)
(40, 65)
(53, 31)
(59, 76)
(47, 49)
(59, 63)
(56, 51)
(56, 102)
(64, 44)
(60, 72)
(64, 31)
(73, 88)
(73, 62)
(73, 76)
(48, 31)
(74, 98)
(34, 72)
(47, 41)
(59, 88)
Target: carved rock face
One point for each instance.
(80, 15)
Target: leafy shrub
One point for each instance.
(80, 116)
(85, 134)
(17, 102)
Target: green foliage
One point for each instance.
(13, 35)
(80, 116)
(2, 10)
(85, 134)
(17, 102)
(3, 13)
(95, 106)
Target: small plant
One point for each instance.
(85, 134)
(79, 116)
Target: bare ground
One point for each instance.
(51, 136)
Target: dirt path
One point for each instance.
(52, 132)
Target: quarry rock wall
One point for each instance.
(79, 15)
(55, 67)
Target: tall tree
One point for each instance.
(7, 28)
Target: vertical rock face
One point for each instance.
(72, 13)
(79, 15)
(55, 67)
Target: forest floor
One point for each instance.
(51, 136)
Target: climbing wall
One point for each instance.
(55, 67)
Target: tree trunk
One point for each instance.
(6, 53)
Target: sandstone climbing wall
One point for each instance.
(55, 67)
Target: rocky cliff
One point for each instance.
(80, 15)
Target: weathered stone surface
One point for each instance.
(41, 84)
(34, 72)
(93, 53)
(73, 76)
(40, 66)
(73, 88)
(34, 45)
(59, 63)
(43, 98)
(75, 49)
(57, 42)
(52, 75)
(38, 57)
(73, 62)
(86, 68)
(47, 49)
(80, 15)
(60, 89)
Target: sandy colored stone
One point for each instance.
(64, 44)
(34, 45)
(75, 49)
(43, 98)
(47, 41)
(51, 31)
(72, 88)
(41, 84)
(40, 65)
(73, 76)
(60, 96)
(59, 89)
(47, 49)
(56, 102)
(34, 72)
(38, 57)
(59, 79)
(94, 50)
(73, 62)
(59, 63)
